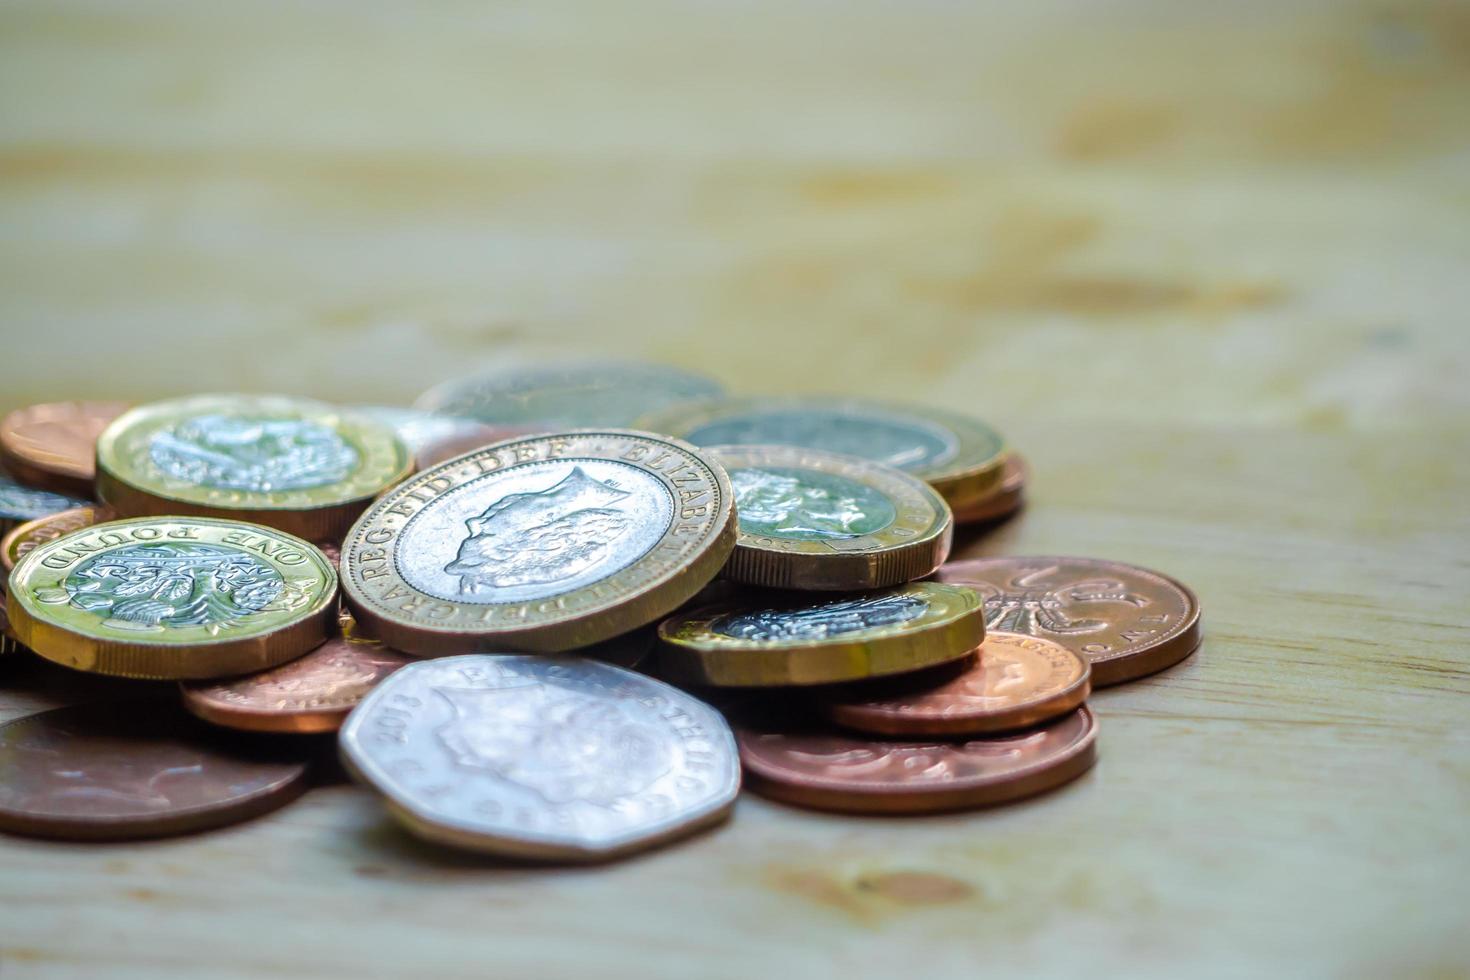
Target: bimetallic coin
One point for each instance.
(125, 770)
(568, 395)
(19, 504)
(313, 693)
(541, 757)
(1007, 497)
(543, 544)
(169, 598)
(295, 465)
(446, 449)
(26, 537)
(420, 430)
(957, 455)
(816, 520)
(798, 641)
(54, 446)
(856, 775)
(1015, 681)
(1127, 621)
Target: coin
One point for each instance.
(419, 429)
(444, 450)
(794, 641)
(544, 544)
(571, 394)
(1127, 621)
(19, 504)
(541, 757)
(1016, 681)
(313, 693)
(169, 598)
(957, 455)
(131, 769)
(54, 446)
(295, 465)
(1004, 499)
(860, 775)
(25, 537)
(811, 519)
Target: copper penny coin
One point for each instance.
(131, 769)
(313, 693)
(851, 774)
(440, 450)
(25, 537)
(1016, 681)
(54, 446)
(1127, 621)
(1003, 501)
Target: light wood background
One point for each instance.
(1206, 264)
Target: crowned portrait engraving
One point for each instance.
(153, 587)
(543, 536)
(563, 746)
(820, 622)
(254, 454)
(806, 504)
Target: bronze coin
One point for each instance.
(54, 446)
(1004, 500)
(1127, 621)
(445, 449)
(859, 775)
(25, 537)
(1016, 681)
(314, 693)
(132, 769)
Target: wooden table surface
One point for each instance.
(1205, 264)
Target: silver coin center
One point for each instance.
(252, 453)
(534, 531)
(819, 622)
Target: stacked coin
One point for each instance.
(784, 558)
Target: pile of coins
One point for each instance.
(551, 612)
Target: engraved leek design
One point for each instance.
(1035, 606)
(176, 584)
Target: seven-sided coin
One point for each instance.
(556, 758)
(300, 466)
(566, 395)
(803, 640)
(169, 598)
(811, 519)
(1015, 681)
(959, 456)
(541, 544)
(1127, 621)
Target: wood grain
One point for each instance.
(1204, 263)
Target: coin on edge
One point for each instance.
(816, 520)
(170, 598)
(794, 641)
(959, 456)
(312, 693)
(24, 538)
(542, 544)
(850, 774)
(133, 769)
(1015, 681)
(1127, 621)
(569, 394)
(19, 504)
(299, 466)
(54, 446)
(1007, 497)
(541, 757)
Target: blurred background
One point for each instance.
(1040, 210)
